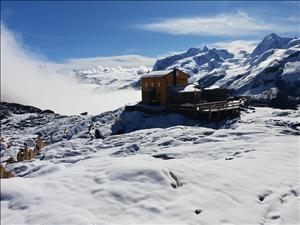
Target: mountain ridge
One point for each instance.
(274, 63)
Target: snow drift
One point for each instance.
(247, 173)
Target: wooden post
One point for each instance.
(209, 115)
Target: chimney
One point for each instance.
(174, 77)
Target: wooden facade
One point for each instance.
(170, 90)
(156, 83)
(184, 94)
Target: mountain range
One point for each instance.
(272, 69)
(274, 63)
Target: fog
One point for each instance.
(25, 81)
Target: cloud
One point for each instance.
(292, 19)
(110, 61)
(24, 80)
(236, 46)
(239, 24)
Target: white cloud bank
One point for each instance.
(239, 24)
(237, 45)
(112, 61)
(24, 80)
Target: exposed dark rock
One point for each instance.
(198, 211)
(163, 156)
(98, 134)
(47, 111)
(229, 158)
(4, 173)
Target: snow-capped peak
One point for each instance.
(193, 51)
(271, 41)
(194, 57)
(205, 49)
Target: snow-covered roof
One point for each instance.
(157, 73)
(212, 87)
(187, 88)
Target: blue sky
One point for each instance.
(65, 30)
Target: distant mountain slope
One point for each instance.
(274, 63)
(196, 60)
(110, 78)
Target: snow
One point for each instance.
(271, 41)
(275, 59)
(157, 73)
(160, 169)
(110, 78)
(122, 179)
(187, 88)
(291, 69)
(212, 87)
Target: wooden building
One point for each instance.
(155, 85)
(190, 93)
(170, 89)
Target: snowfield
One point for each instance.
(174, 171)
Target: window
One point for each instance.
(151, 84)
(158, 84)
(145, 84)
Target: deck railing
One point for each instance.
(221, 105)
(208, 106)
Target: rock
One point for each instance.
(4, 173)
(10, 160)
(173, 185)
(29, 143)
(40, 143)
(163, 156)
(47, 111)
(18, 108)
(27, 154)
(98, 134)
(198, 211)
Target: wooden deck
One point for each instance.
(211, 111)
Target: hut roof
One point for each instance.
(157, 73)
(185, 88)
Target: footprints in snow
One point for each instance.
(261, 197)
(292, 192)
(273, 202)
(239, 154)
(130, 149)
(177, 182)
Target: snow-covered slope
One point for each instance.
(110, 78)
(245, 172)
(196, 61)
(273, 41)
